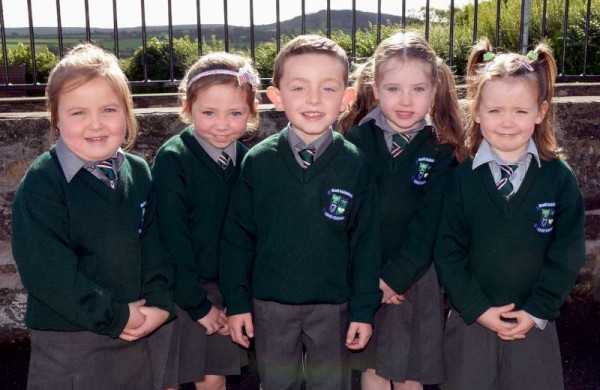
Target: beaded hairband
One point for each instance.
(242, 76)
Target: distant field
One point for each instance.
(126, 45)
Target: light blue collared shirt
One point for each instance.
(71, 163)
(485, 154)
(214, 152)
(320, 144)
(388, 132)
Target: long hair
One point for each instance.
(537, 68)
(445, 111)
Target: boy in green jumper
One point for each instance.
(301, 242)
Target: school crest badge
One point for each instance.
(424, 165)
(339, 201)
(546, 217)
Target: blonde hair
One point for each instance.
(191, 86)
(82, 64)
(309, 44)
(445, 111)
(537, 68)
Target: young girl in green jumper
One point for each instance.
(412, 134)
(511, 238)
(193, 175)
(85, 239)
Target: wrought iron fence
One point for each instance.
(11, 80)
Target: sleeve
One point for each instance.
(365, 253)
(169, 183)
(416, 254)
(48, 265)
(157, 270)
(565, 255)
(451, 256)
(238, 246)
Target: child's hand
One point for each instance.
(358, 335)
(241, 328)
(389, 296)
(155, 317)
(524, 324)
(492, 319)
(136, 318)
(213, 321)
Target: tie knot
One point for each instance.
(108, 168)
(307, 156)
(507, 170)
(223, 160)
(399, 142)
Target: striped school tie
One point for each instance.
(108, 168)
(399, 142)
(504, 185)
(307, 156)
(223, 160)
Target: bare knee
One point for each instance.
(369, 380)
(211, 382)
(408, 385)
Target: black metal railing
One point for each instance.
(9, 81)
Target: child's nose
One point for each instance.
(314, 96)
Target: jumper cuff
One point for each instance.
(238, 305)
(200, 311)
(161, 299)
(119, 322)
(475, 310)
(396, 277)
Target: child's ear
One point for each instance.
(185, 107)
(541, 114)
(474, 112)
(349, 94)
(274, 96)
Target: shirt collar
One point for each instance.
(320, 144)
(72, 163)
(215, 152)
(485, 154)
(377, 115)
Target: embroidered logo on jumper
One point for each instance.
(424, 165)
(339, 200)
(546, 210)
(143, 208)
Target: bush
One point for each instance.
(44, 60)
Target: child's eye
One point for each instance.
(208, 113)
(297, 89)
(392, 89)
(329, 89)
(236, 113)
(77, 113)
(522, 112)
(494, 111)
(110, 109)
(419, 89)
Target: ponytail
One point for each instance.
(446, 113)
(364, 100)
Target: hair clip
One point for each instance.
(525, 65)
(243, 75)
(488, 56)
(532, 55)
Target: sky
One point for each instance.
(184, 11)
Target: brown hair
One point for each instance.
(220, 61)
(82, 64)
(445, 111)
(308, 44)
(364, 101)
(538, 68)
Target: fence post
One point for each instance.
(525, 16)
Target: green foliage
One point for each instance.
(185, 54)
(44, 60)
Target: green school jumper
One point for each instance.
(302, 236)
(84, 250)
(411, 188)
(191, 187)
(527, 250)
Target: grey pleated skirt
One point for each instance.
(407, 339)
(192, 354)
(87, 361)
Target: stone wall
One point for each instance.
(23, 136)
